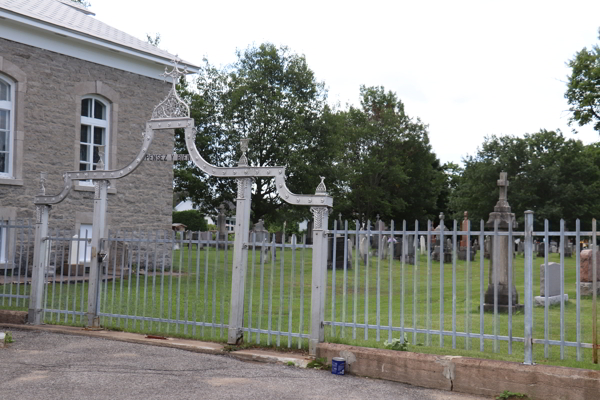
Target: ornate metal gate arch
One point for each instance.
(173, 113)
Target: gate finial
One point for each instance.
(172, 106)
(321, 189)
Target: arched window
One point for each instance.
(94, 133)
(7, 95)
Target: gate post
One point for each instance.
(99, 222)
(528, 291)
(319, 278)
(42, 212)
(240, 260)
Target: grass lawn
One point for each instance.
(199, 289)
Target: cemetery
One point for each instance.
(498, 286)
(346, 281)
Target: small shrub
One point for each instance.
(318, 363)
(8, 338)
(291, 364)
(507, 395)
(397, 344)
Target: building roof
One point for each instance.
(74, 18)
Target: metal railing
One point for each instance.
(392, 286)
(16, 252)
(380, 284)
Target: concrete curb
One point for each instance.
(253, 355)
(13, 317)
(467, 375)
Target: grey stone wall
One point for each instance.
(143, 200)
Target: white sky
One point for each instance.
(467, 68)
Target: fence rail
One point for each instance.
(417, 283)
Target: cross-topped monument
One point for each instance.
(503, 200)
(500, 287)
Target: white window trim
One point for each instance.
(10, 105)
(106, 124)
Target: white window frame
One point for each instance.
(93, 122)
(10, 106)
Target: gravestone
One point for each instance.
(339, 253)
(553, 247)
(279, 237)
(465, 228)
(222, 222)
(586, 273)
(260, 234)
(435, 254)
(486, 247)
(476, 245)
(541, 249)
(363, 248)
(384, 248)
(423, 245)
(568, 249)
(500, 251)
(309, 232)
(520, 246)
(553, 296)
(379, 226)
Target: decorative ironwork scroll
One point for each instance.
(172, 106)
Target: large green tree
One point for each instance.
(583, 87)
(388, 166)
(555, 177)
(270, 96)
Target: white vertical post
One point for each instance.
(528, 292)
(37, 277)
(319, 277)
(99, 223)
(240, 261)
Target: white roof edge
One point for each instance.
(6, 14)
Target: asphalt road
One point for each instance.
(44, 365)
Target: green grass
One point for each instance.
(203, 281)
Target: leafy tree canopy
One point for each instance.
(555, 177)
(272, 97)
(583, 87)
(387, 166)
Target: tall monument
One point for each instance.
(501, 252)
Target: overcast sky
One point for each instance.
(468, 69)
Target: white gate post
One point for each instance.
(319, 278)
(240, 260)
(528, 291)
(42, 212)
(99, 223)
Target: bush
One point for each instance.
(397, 344)
(193, 219)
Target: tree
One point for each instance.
(84, 3)
(194, 220)
(583, 87)
(270, 96)
(388, 167)
(154, 41)
(554, 177)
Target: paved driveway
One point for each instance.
(44, 365)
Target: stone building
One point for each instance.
(68, 84)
